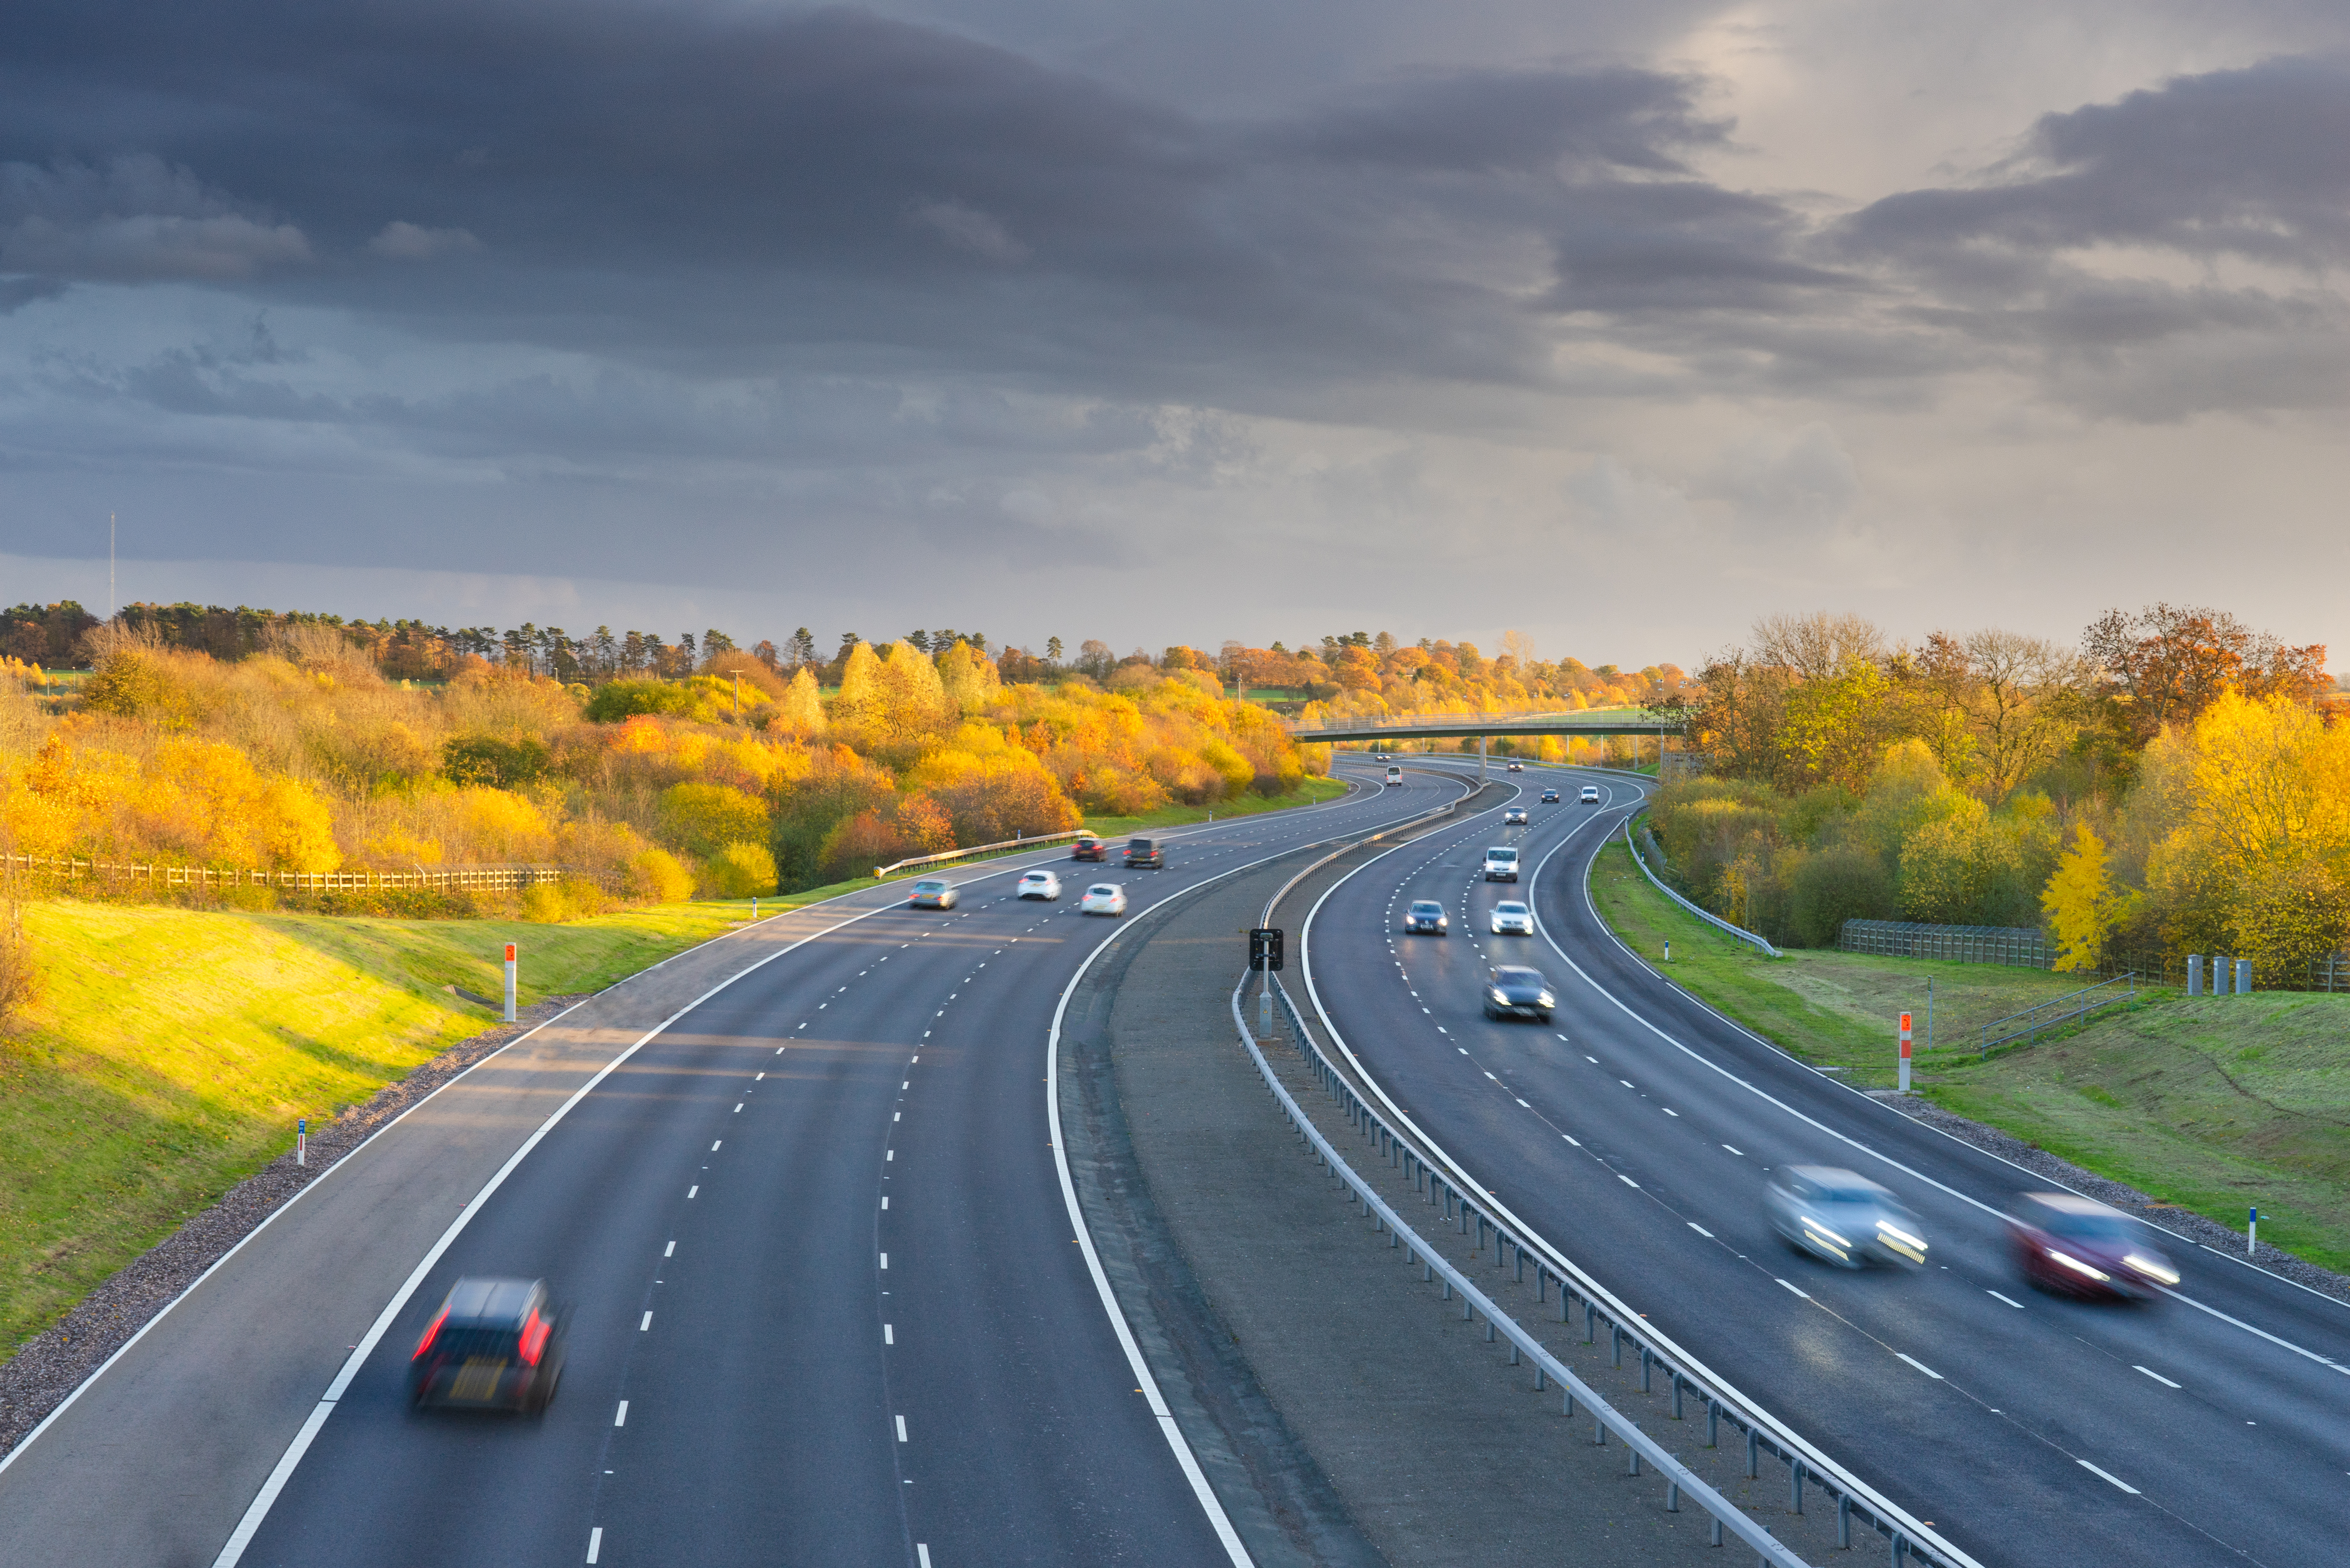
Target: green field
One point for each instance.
(2213, 1103)
(1313, 792)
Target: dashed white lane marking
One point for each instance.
(1670, 1112)
(901, 1429)
(1806, 1294)
(713, 1148)
(1571, 1140)
(908, 1083)
(1593, 1060)
(1491, 1075)
(1441, 1030)
(760, 1079)
(885, 1259)
(1626, 1179)
(885, 1200)
(1920, 1366)
(887, 1155)
(1700, 1229)
(620, 1415)
(2010, 1299)
(1740, 1153)
(738, 1107)
(2108, 1475)
(693, 1189)
(595, 1542)
(1626, 1082)
(646, 1325)
(1522, 1101)
(1462, 1049)
(895, 1114)
(887, 1336)
(921, 1555)
(670, 1250)
(2158, 1376)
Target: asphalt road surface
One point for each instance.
(1633, 1132)
(826, 1302)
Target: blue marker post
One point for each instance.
(302, 1141)
(2253, 1234)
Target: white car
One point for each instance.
(1039, 884)
(1591, 794)
(1512, 918)
(1103, 899)
(1517, 767)
(1514, 818)
(933, 893)
(1501, 864)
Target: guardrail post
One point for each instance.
(1712, 1422)
(1794, 1486)
(1844, 1523)
(1753, 1453)
(1590, 1319)
(1672, 1497)
(1645, 1364)
(1676, 1393)
(1615, 1345)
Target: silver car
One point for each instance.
(1512, 918)
(1842, 1217)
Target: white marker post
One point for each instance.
(1905, 1052)
(510, 987)
(2253, 1234)
(302, 1141)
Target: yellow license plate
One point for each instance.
(477, 1379)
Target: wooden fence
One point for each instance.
(446, 880)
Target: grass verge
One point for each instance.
(2211, 1104)
(173, 1050)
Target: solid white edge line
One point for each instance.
(1209, 1503)
(242, 1537)
(1813, 1458)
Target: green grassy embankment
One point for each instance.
(173, 1049)
(1312, 792)
(2210, 1103)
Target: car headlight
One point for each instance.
(2152, 1269)
(1501, 996)
(1910, 1247)
(1544, 1000)
(2079, 1267)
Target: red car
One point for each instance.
(1088, 847)
(2076, 1245)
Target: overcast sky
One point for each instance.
(1620, 323)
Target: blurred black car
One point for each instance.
(495, 1345)
(1088, 847)
(1513, 991)
(1425, 915)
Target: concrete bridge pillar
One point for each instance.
(1483, 742)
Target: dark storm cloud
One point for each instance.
(731, 193)
(2245, 163)
(2215, 171)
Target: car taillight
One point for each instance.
(432, 1333)
(535, 1330)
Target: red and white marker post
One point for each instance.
(1905, 1035)
(510, 1016)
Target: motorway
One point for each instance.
(826, 1301)
(1632, 1134)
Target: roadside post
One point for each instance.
(754, 909)
(510, 983)
(2244, 977)
(1905, 1052)
(1265, 957)
(2194, 974)
(2253, 1232)
(1669, 949)
(302, 1141)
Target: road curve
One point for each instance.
(826, 1304)
(1633, 1134)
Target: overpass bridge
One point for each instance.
(1484, 727)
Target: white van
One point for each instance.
(1395, 775)
(1501, 864)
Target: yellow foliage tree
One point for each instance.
(802, 710)
(2084, 903)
